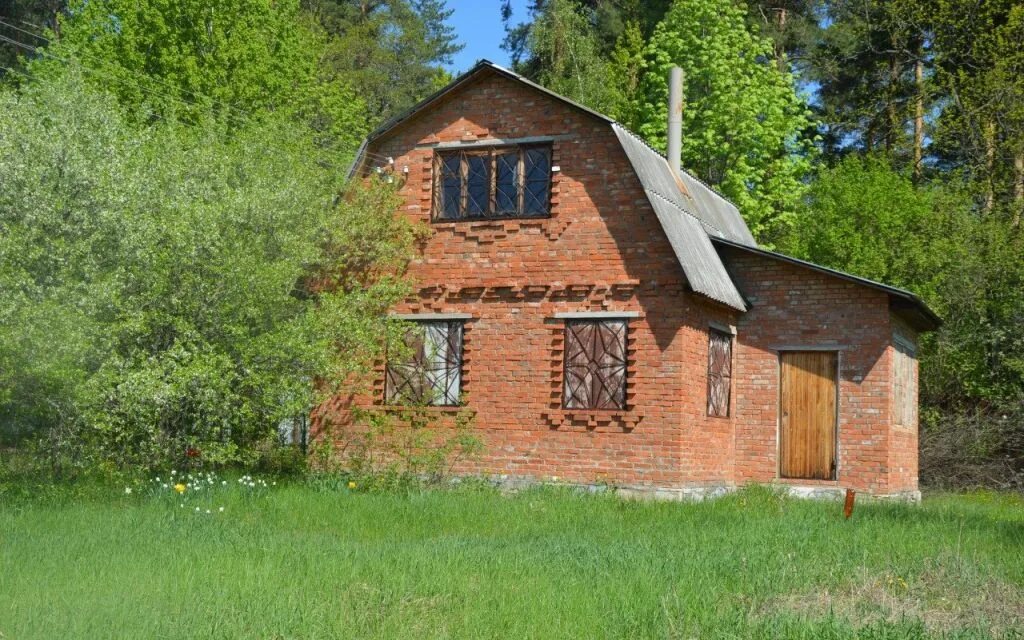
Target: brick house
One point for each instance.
(609, 319)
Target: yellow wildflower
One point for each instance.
(351, 484)
(180, 488)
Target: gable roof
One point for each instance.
(691, 213)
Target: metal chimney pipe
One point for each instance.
(675, 118)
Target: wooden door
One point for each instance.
(807, 410)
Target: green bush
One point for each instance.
(173, 291)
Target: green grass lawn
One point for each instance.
(297, 562)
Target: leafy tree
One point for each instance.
(864, 66)
(28, 15)
(794, 26)
(562, 37)
(173, 286)
(865, 217)
(391, 51)
(743, 123)
(185, 60)
(980, 70)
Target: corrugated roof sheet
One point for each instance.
(686, 231)
(718, 216)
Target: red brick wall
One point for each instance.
(602, 249)
(794, 307)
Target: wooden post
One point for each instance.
(851, 495)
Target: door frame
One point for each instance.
(779, 351)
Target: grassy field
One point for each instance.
(300, 562)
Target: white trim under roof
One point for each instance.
(430, 316)
(596, 315)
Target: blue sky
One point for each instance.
(478, 25)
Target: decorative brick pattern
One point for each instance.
(602, 249)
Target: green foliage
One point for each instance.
(187, 60)
(743, 122)
(574, 67)
(866, 218)
(167, 285)
(398, 448)
(390, 51)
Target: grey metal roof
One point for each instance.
(687, 232)
(718, 216)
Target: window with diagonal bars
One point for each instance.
(432, 371)
(595, 364)
(501, 182)
(719, 373)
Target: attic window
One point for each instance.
(499, 182)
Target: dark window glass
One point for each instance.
(506, 183)
(497, 183)
(719, 373)
(595, 364)
(432, 374)
(537, 166)
(451, 189)
(478, 185)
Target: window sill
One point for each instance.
(593, 419)
(485, 222)
(443, 409)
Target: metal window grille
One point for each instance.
(719, 373)
(595, 364)
(433, 372)
(503, 182)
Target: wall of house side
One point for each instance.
(796, 308)
(602, 249)
(903, 448)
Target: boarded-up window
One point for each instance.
(595, 364)
(432, 372)
(719, 373)
(904, 382)
(504, 182)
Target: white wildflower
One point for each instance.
(221, 509)
(127, 491)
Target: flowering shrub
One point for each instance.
(199, 491)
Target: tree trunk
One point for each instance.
(891, 134)
(1018, 187)
(990, 165)
(780, 50)
(918, 117)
